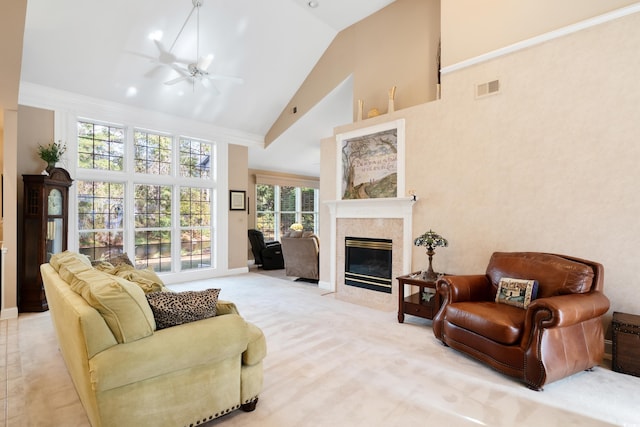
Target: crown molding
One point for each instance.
(39, 96)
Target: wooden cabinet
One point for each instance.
(44, 232)
(626, 343)
(423, 303)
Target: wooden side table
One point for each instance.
(425, 303)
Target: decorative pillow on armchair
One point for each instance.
(517, 292)
(176, 308)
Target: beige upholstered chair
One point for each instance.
(301, 256)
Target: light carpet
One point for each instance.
(333, 363)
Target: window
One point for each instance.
(152, 153)
(100, 146)
(152, 219)
(100, 218)
(157, 206)
(265, 210)
(277, 207)
(195, 157)
(195, 228)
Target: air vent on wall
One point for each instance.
(488, 88)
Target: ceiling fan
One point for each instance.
(193, 71)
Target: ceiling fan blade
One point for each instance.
(176, 80)
(206, 83)
(237, 80)
(204, 62)
(152, 72)
(142, 55)
(165, 57)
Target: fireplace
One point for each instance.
(368, 263)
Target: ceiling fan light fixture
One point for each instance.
(132, 91)
(155, 35)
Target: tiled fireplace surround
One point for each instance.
(372, 218)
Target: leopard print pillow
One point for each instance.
(175, 308)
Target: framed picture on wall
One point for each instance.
(371, 162)
(237, 199)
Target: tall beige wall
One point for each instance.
(35, 127)
(471, 27)
(9, 296)
(238, 161)
(11, 36)
(394, 47)
(548, 164)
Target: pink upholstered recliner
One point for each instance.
(558, 334)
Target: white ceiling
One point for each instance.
(101, 49)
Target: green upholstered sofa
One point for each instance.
(127, 373)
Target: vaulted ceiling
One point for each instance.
(103, 50)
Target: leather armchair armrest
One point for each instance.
(464, 288)
(566, 310)
(459, 288)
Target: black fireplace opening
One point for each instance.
(368, 263)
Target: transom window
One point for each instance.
(100, 146)
(195, 158)
(152, 153)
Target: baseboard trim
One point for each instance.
(324, 285)
(9, 313)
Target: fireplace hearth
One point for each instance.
(368, 263)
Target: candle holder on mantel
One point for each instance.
(431, 240)
(392, 94)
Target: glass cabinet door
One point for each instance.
(54, 237)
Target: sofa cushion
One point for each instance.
(62, 257)
(516, 292)
(499, 322)
(70, 267)
(176, 308)
(121, 303)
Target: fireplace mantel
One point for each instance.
(397, 207)
(385, 208)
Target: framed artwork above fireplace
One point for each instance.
(371, 162)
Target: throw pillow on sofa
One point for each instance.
(516, 292)
(175, 308)
(146, 278)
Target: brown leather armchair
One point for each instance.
(558, 334)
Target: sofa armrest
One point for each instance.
(257, 347)
(170, 350)
(226, 307)
(566, 310)
(464, 288)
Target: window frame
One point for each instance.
(130, 179)
(298, 212)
